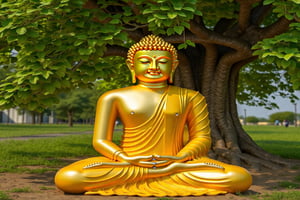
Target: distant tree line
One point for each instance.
(280, 116)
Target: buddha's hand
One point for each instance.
(143, 161)
(171, 159)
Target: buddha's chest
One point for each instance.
(136, 109)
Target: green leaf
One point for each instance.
(288, 56)
(198, 12)
(170, 31)
(85, 51)
(182, 46)
(21, 31)
(115, 21)
(266, 2)
(34, 79)
(190, 43)
(164, 8)
(178, 5)
(147, 11)
(78, 42)
(179, 29)
(46, 74)
(172, 15)
(189, 9)
(3, 102)
(160, 16)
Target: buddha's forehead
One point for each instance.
(152, 53)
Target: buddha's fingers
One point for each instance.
(158, 157)
(182, 167)
(106, 164)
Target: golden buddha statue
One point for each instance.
(154, 158)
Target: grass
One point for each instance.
(291, 195)
(48, 154)
(288, 185)
(4, 196)
(24, 189)
(40, 155)
(278, 140)
(13, 130)
(52, 153)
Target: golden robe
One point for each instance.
(161, 134)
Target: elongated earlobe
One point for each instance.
(171, 78)
(175, 65)
(133, 79)
(131, 68)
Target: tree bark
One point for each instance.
(215, 64)
(70, 118)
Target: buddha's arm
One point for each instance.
(106, 113)
(199, 130)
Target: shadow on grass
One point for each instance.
(285, 149)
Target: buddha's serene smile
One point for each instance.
(155, 157)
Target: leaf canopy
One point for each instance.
(60, 44)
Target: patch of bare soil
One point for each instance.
(41, 186)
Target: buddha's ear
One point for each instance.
(174, 66)
(131, 68)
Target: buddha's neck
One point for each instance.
(153, 85)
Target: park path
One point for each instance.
(47, 135)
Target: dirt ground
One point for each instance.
(41, 187)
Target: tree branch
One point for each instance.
(259, 13)
(280, 26)
(134, 8)
(209, 36)
(244, 14)
(116, 51)
(91, 4)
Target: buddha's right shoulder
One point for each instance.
(114, 94)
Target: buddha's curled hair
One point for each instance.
(151, 42)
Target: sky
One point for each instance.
(260, 112)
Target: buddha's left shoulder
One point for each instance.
(189, 92)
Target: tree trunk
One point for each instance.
(23, 116)
(212, 68)
(8, 116)
(70, 118)
(33, 114)
(217, 79)
(41, 115)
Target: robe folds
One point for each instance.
(178, 126)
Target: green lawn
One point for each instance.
(52, 153)
(277, 140)
(48, 153)
(40, 155)
(12, 130)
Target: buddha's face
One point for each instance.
(153, 65)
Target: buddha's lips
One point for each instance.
(154, 72)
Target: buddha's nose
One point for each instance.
(154, 66)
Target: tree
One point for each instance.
(281, 116)
(252, 119)
(258, 85)
(74, 103)
(60, 46)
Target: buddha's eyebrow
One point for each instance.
(161, 57)
(158, 58)
(148, 57)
